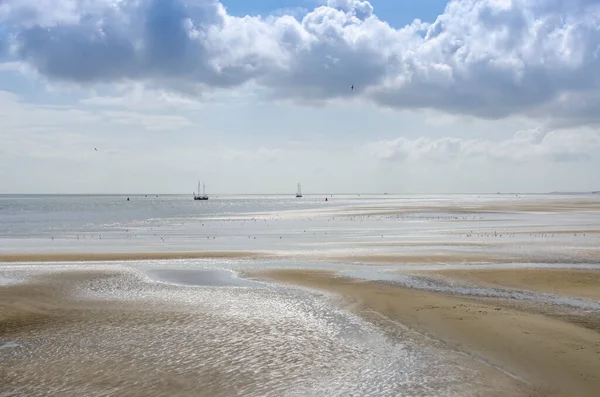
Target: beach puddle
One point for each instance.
(202, 278)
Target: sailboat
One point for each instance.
(299, 193)
(203, 196)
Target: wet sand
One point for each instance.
(571, 282)
(34, 313)
(489, 254)
(124, 256)
(556, 357)
(549, 232)
(473, 208)
(460, 257)
(72, 345)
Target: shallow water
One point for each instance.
(203, 278)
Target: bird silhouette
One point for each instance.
(352, 88)
(95, 149)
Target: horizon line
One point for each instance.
(304, 194)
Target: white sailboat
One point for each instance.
(299, 192)
(203, 196)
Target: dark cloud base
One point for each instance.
(479, 58)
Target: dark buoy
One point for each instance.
(127, 198)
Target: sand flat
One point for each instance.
(474, 207)
(558, 358)
(441, 257)
(134, 348)
(556, 231)
(571, 282)
(87, 346)
(30, 312)
(424, 243)
(123, 256)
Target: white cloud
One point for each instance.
(261, 154)
(486, 58)
(18, 116)
(138, 97)
(524, 146)
(67, 132)
(146, 121)
(161, 65)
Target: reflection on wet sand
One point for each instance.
(107, 332)
(555, 354)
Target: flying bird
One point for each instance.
(352, 88)
(95, 149)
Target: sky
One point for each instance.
(254, 96)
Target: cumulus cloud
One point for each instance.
(361, 9)
(20, 117)
(524, 146)
(485, 58)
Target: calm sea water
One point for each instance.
(34, 215)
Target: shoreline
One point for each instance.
(126, 256)
(557, 357)
(374, 258)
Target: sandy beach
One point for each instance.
(45, 311)
(61, 342)
(122, 256)
(572, 282)
(555, 357)
(516, 348)
(458, 209)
